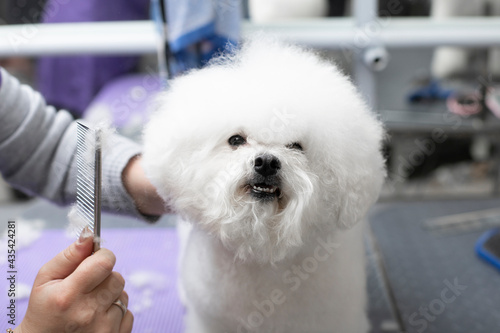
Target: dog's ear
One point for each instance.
(359, 195)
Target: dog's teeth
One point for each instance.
(270, 190)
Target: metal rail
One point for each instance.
(140, 37)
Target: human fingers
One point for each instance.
(127, 323)
(109, 290)
(65, 262)
(117, 310)
(92, 271)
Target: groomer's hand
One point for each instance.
(75, 291)
(139, 187)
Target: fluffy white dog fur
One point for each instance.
(272, 158)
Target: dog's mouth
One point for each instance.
(264, 190)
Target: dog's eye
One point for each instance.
(236, 140)
(295, 145)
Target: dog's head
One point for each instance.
(261, 146)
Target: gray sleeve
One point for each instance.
(37, 149)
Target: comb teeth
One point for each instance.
(88, 180)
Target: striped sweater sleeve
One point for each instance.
(37, 151)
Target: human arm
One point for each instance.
(37, 148)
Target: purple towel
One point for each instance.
(125, 102)
(72, 82)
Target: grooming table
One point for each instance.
(424, 261)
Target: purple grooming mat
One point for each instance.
(147, 259)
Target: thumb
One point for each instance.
(65, 262)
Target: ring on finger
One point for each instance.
(122, 306)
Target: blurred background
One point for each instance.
(415, 88)
(430, 69)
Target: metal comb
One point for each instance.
(88, 180)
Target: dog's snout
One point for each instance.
(267, 165)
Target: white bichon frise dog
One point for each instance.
(271, 158)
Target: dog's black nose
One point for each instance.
(267, 165)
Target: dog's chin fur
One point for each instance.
(272, 95)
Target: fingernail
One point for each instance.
(84, 235)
